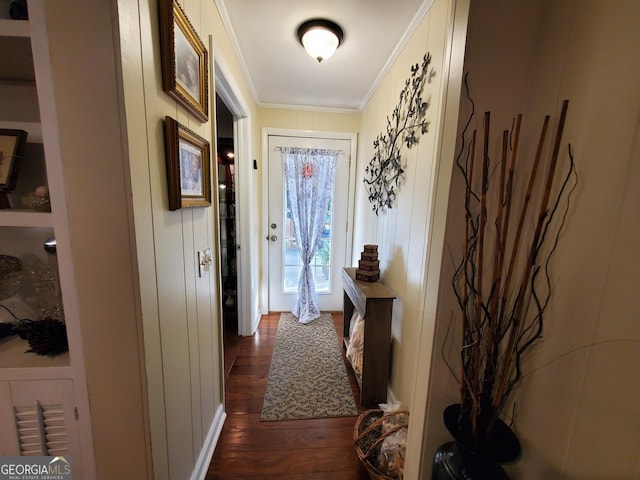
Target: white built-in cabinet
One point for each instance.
(38, 407)
(43, 415)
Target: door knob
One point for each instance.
(274, 238)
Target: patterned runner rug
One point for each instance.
(307, 378)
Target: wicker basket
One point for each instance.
(368, 438)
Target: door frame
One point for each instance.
(246, 196)
(319, 134)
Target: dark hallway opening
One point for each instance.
(228, 228)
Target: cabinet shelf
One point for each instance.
(29, 101)
(25, 218)
(14, 28)
(22, 229)
(12, 355)
(33, 129)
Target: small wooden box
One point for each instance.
(367, 276)
(368, 266)
(369, 257)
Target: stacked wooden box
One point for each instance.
(368, 266)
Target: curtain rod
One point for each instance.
(329, 149)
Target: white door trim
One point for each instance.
(246, 196)
(285, 132)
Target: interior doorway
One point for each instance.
(226, 188)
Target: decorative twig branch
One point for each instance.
(501, 322)
(385, 170)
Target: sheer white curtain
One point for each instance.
(309, 177)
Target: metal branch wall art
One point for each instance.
(385, 170)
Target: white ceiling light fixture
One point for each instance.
(320, 38)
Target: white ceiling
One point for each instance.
(282, 74)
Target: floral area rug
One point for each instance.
(307, 377)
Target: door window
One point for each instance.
(291, 262)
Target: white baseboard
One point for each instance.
(204, 459)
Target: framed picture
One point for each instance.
(12, 143)
(188, 166)
(184, 61)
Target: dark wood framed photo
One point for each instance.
(188, 166)
(12, 143)
(184, 61)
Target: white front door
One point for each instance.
(332, 254)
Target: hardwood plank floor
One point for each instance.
(315, 449)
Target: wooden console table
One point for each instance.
(374, 302)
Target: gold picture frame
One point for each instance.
(184, 61)
(188, 166)
(12, 144)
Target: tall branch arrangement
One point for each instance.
(407, 123)
(502, 282)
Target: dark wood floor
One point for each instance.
(316, 449)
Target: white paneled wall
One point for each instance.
(180, 309)
(410, 235)
(402, 231)
(577, 411)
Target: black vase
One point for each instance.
(457, 461)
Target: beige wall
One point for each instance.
(402, 232)
(182, 333)
(317, 120)
(99, 245)
(411, 234)
(577, 411)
